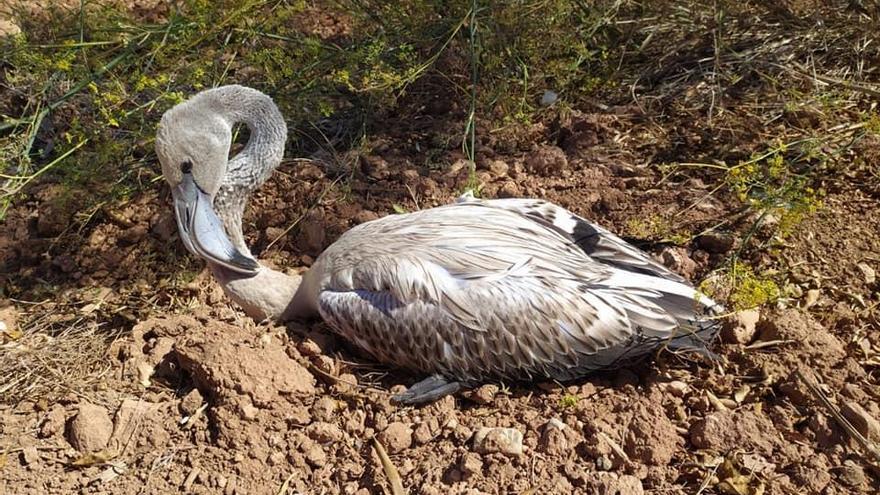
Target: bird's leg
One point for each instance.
(428, 390)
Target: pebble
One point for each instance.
(485, 394)
(316, 456)
(498, 168)
(677, 260)
(866, 424)
(470, 464)
(851, 474)
(716, 242)
(422, 434)
(868, 272)
(324, 432)
(191, 402)
(54, 422)
(324, 409)
(91, 428)
(740, 328)
(397, 437)
(30, 455)
(508, 441)
(677, 388)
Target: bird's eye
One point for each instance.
(186, 167)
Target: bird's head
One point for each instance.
(192, 144)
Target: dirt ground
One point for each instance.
(195, 397)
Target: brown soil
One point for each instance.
(192, 396)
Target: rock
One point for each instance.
(610, 483)
(716, 242)
(811, 298)
(324, 432)
(508, 190)
(30, 455)
(396, 438)
(869, 274)
(316, 456)
(677, 260)
(8, 324)
(866, 424)
(651, 437)
(547, 160)
(131, 414)
(507, 441)
(740, 328)
(365, 216)
(485, 394)
(422, 434)
(677, 388)
(498, 168)
(54, 422)
(191, 402)
(470, 464)
(851, 474)
(91, 428)
(744, 429)
(324, 409)
(8, 28)
(133, 235)
(553, 440)
(375, 166)
(548, 98)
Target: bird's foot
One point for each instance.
(428, 390)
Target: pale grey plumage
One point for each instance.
(479, 289)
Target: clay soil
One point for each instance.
(161, 385)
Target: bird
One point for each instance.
(476, 290)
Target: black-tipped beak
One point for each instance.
(202, 230)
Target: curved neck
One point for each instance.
(268, 294)
(250, 168)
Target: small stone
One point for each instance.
(811, 298)
(191, 402)
(677, 260)
(30, 455)
(249, 411)
(851, 474)
(553, 439)
(498, 168)
(508, 190)
(866, 424)
(54, 422)
(324, 432)
(396, 438)
(508, 441)
(548, 98)
(422, 434)
(470, 464)
(547, 160)
(309, 348)
(91, 428)
(316, 456)
(716, 242)
(485, 394)
(740, 328)
(324, 409)
(409, 175)
(677, 388)
(364, 216)
(868, 272)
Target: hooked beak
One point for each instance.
(202, 230)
